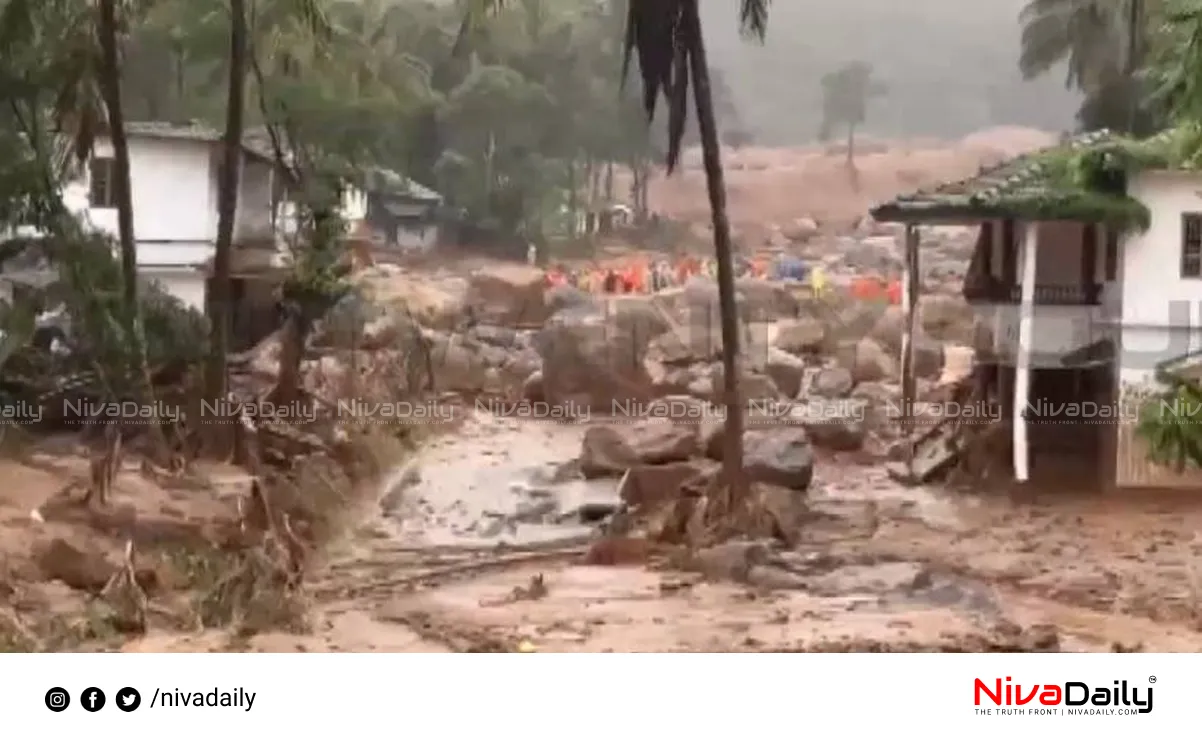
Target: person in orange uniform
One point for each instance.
(895, 292)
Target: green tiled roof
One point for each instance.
(1023, 187)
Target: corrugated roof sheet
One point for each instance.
(993, 192)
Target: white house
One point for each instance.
(1082, 310)
(173, 177)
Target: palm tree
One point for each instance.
(1085, 34)
(666, 38)
(666, 35)
(1104, 45)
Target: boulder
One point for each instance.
(508, 294)
(761, 300)
(867, 360)
(652, 484)
(532, 388)
(834, 381)
(604, 453)
(786, 371)
(610, 450)
(779, 456)
(596, 359)
(455, 363)
(834, 425)
(800, 336)
(946, 317)
(800, 229)
(753, 386)
(440, 305)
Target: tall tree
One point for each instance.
(666, 37)
(1103, 45)
(845, 96)
(109, 34)
(220, 299)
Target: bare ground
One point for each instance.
(770, 187)
(884, 569)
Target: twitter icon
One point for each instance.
(128, 699)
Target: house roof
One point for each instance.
(255, 142)
(391, 183)
(1027, 186)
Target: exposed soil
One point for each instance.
(885, 569)
(769, 187)
(454, 559)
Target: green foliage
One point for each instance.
(1089, 182)
(1171, 424)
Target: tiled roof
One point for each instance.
(998, 191)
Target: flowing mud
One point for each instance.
(475, 547)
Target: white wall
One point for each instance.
(1151, 260)
(172, 199)
(174, 186)
(1161, 312)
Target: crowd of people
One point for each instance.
(640, 276)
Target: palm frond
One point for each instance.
(662, 40)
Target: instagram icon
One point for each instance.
(57, 699)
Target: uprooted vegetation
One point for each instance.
(103, 536)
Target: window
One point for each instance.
(1112, 254)
(103, 193)
(1191, 246)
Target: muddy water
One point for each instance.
(498, 481)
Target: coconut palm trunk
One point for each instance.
(715, 184)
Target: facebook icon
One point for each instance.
(92, 699)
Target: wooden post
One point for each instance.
(1022, 369)
(910, 286)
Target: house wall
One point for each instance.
(172, 199)
(174, 184)
(1161, 315)
(1161, 312)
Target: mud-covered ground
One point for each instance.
(476, 545)
(883, 569)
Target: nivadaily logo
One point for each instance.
(1067, 698)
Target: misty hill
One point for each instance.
(950, 67)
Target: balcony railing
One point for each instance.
(1045, 294)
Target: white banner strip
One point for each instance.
(583, 698)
